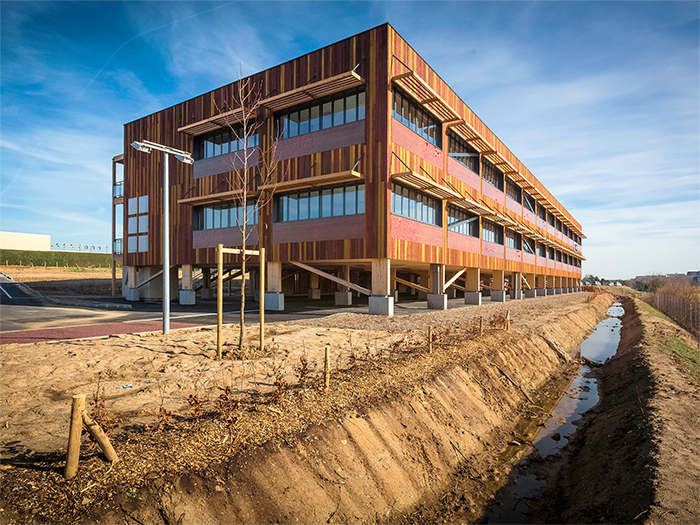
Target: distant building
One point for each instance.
(25, 241)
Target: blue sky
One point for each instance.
(600, 100)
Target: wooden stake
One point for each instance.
(430, 339)
(76, 428)
(507, 320)
(220, 298)
(481, 325)
(261, 259)
(100, 437)
(327, 366)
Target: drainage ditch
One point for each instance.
(511, 504)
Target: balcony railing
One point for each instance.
(118, 190)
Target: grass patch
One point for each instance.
(645, 307)
(689, 356)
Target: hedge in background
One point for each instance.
(79, 259)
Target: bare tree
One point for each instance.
(248, 177)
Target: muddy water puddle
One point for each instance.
(511, 504)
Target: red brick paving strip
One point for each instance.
(80, 332)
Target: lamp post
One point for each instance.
(147, 146)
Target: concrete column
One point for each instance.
(437, 300)
(532, 291)
(314, 286)
(343, 297)
(381, 302)
(498, 291)
(516, 292)
(541, 286)
(557, 285)
(132, 293)
(274, 298)
(206, 292)
(473, 286)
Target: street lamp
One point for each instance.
(147, 146)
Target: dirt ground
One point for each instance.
(61, 282)
(174, 405)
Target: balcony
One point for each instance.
(118, 189)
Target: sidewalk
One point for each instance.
(85, 331)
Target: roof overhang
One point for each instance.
(290, 98)
(427, 185)
(313, 182)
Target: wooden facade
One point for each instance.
(378, 148)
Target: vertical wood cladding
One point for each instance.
(379, 54)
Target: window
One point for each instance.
(513, 191)
(528, 246)
(558, 225)
(227, 215)
(530, 203)
(492, 174)
(222, 142)
(541, 212)
(137, 224)
(513, 240)
(323, 113)
(550, 253)
(337, 201)
(414, 205)
(550, 219)
(491, 232)
(457, 145)
(558, 256)
(541, 250)
(410, 114)
(462, 221)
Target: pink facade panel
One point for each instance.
(461, 172)
(514, 255)
(492, 192)
(514, 206)
(226, 236)
(529, 258)
(409, 230)
(328, 229)
(413, 142)
(324, 140)
(491, 249)
(464, 243)
(529, 216)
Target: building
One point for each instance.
(384, 181)
(25, 241)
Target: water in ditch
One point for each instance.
(511, 504)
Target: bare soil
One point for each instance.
(62, 282)
(191, 425)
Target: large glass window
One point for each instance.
(513, 240)
(465, 153)
(550, 253)
(462, 221)
(513, 191)
(410, 114)
(528, 245)
(541, 212)
(222, 142)
(491, 232)
(492, 174)
(337, 201)
(226, 215)
(541, 250)
(550, 219)
(414, 205)
(323, 113)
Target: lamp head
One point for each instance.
(138, 146)
(186, 160)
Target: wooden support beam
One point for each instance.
(525, 282)
(333, 278)
(412, 285)
(454, 278)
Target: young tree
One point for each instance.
(248, 176)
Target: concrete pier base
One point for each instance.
(381, 305)
(343, 298)
(498, 296)
(529, 294)
(472, 298)
(541, 292)
(437, 301)
(274, 302)
(314, 293)
(188, 297)
(133, 294)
